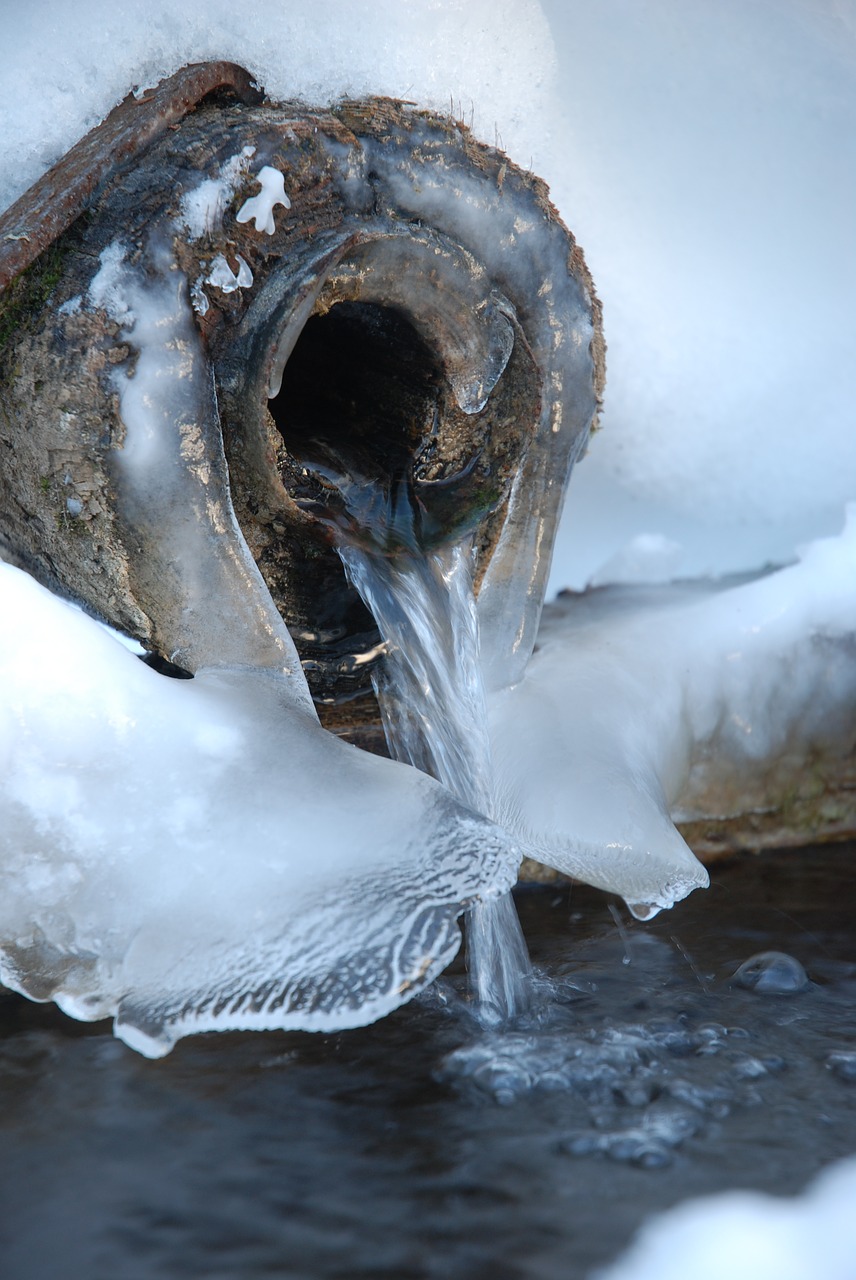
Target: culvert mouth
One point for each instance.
(358, 410)
(383, 399)
(400, 234)
(360, 386)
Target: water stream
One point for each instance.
(432, 703)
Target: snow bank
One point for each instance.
(744, 1235)
(488, 62)
(705, 162)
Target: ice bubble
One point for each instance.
(772, 973)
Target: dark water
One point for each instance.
(426, 1147)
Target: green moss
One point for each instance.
(24, 299)
(67, 523)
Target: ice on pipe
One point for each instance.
(259, 209)
(746, 1235)
(222, 277)
(641, 705)
(202, 207)
(170, 472)
(200, 855)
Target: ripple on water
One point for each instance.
(635, 1092)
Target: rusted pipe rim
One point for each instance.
(50, 206)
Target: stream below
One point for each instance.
(428, 1146)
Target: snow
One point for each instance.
(744, 1235)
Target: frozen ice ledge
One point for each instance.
(200, 855)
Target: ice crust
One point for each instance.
(199, 855)
(195, 855)
(746, 1235)
(642, 703)
(171, 471)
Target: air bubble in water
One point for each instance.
(772, 973)
(843, 1064)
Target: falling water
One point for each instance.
(432, 704)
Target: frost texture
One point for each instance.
(199, 855)
(692, 701)
(202, 208)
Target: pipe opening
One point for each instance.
(359, 395)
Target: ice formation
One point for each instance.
(637, 707)
(202, 207)
(222, 277)
(167, 862)
(259, 209)
(695, 154)
(191, 855)
(745, 1235)
(691, 701)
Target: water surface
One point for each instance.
(385, 1152)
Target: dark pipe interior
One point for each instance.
(359, 397)
(359, 393)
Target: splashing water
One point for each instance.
(432, 703)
